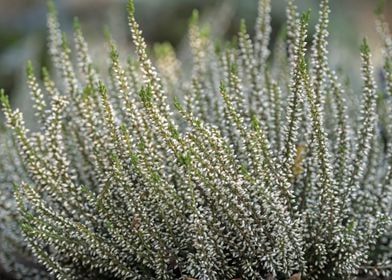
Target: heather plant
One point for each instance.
(251, 166)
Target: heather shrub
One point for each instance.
(259, 164)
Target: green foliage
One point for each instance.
(255, 171)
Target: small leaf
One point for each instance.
(4, 100)
(365, 46)
(380, 8)
(194, 17)
(131, 7)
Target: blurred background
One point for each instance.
(23, 28)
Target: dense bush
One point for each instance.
(255, 165)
